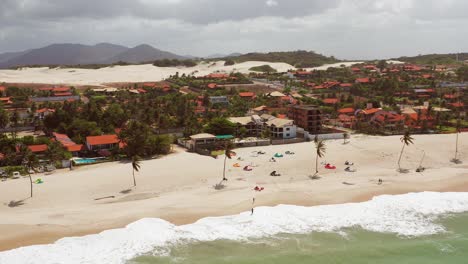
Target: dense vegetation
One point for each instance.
(263, 68)
(299, 59)
(434, 59)
(174, 63)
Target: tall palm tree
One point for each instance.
(457, 131)
(406, 139)
(345, 137)
(227, 155)
(30, 162)
(320, 151)
(135, 166)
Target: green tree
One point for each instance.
(220, 126)
(4, 118)
(406, 139)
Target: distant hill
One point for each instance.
(143, 53)
(450, 58)
(10, 55)
(219, 55)
(299, 59)
(78, 54)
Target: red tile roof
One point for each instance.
(451, 96)
(75, 148)
(63, 94)
(217, 76)
(6, 100)
(370, 111)
(355, 69)
(38, 148)
(2, 88)
(46, 89)
(458, 104)
(102, 140)
(42, 110)
(212, 85)
(346, 84)
(140, 90)
(363, 80)
(330, 101)
(346, 110)
(247, 94)
(61, 89)
(63, 139)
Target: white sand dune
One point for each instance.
(131, 73)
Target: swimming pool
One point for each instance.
(80, 161)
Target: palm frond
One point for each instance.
(321, 148)
(136, 163)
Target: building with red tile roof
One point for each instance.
(63, 94)
(330, 101)
(248, 95)
(5, 100)
(346, 85)
(102, 142)
(217, 76)
(38, 148)
(212, 86)
(2, 90)
(363, 80)
(61, 89)
(347, 111)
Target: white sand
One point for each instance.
(132, 73)
(179, 187)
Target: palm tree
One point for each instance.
(406, 139)
(30, 162)
(135, 166)
(227, 155)
(320, 151)
(457, 131)
(345, 136)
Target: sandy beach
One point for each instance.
(179, 187)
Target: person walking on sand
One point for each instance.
(252, 211)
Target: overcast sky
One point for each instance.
(347, 29)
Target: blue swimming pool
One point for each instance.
(80, 161)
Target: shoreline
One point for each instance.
(178, 188)
(47, 234)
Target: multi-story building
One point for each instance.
(308, 117)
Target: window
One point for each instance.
(287, 135)
(287, 129)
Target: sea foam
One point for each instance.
(413, 214)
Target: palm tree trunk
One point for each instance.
(224, 168)
(456, 147)
(31, 183)
(401, 154)
(134, 180)
(316, 164)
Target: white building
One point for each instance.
(281, 128)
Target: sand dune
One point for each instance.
(131, 73)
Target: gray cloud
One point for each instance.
(344, 28)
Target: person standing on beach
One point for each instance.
(252, 211)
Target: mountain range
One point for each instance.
(78, 54)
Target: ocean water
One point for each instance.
(351, 246)
(427, 227)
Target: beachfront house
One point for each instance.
(253, 124)
(281, 128)
(104, 142)
(68, 144)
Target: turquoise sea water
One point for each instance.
(352, 246)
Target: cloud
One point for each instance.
(271, 3)
(345, 28)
